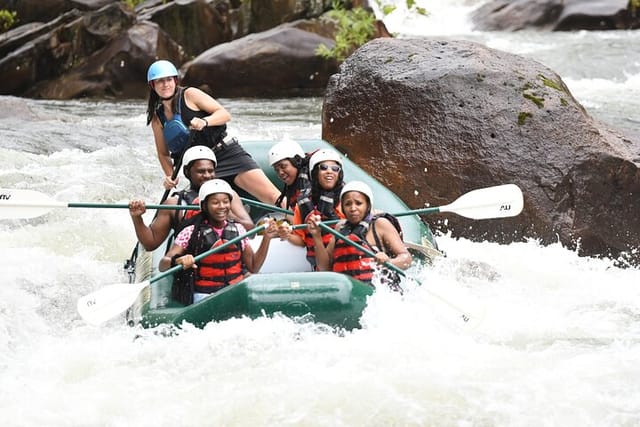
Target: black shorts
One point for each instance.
(233, 160)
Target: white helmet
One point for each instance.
(322, 156)
(199, 152)
(360, 187)
(212, 187)
(287, 149)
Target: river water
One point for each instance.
(554, 338)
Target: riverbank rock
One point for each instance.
(238, 68)
(555, 15)
(36, 60)
(29, 11)
(435, 119)
(102, 48)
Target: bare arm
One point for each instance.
(196, 99)
(254, 260)
(392, 242)
(164, 157)
(153, 235)
(186, 261)
(295, 237)
(239, 213)
(323, 254)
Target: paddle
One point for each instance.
(500, 201)
(30, 204)
(464, 315)
(15, 204)
(111, 300)
(266, 206)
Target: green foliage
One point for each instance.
(523, 116)
(388, 6)
(355, 28)
(8, 19)
(634, 5)
(535, 99)
(132, 3)
(552, 83)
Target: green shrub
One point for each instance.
(132, 3)
(8, 19)
(387, 7)
(355, 28)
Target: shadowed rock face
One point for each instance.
(435, 119)
(555, 15)
(237, 68)
(102, 48)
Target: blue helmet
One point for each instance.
(161, 69)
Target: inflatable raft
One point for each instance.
(285, 285)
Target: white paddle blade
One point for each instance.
(109, 301)
(501, 201)
(15, 204)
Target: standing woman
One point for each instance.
(374, 232)
(320, 204)
(178, 114)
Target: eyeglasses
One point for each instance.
(334, 168)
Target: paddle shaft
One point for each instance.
(266, 206)
(465, 317)
(423, 211)
(168, 207)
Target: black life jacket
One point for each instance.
(302, 184)
(185, 197)
(326, 202)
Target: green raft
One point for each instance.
(286, 285)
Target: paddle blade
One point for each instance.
(501, 201)
(109, 301)
(15, 204)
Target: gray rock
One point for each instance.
(281, 61)
(435, 119)
(555, 15)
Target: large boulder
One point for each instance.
(81, 49)
(267, 14)
(434, 119)
(278, 62)
(116, 71)
(555, 15)
(179, 19)
(53, 49)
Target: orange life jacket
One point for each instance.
(349, 260)
(326, 236)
